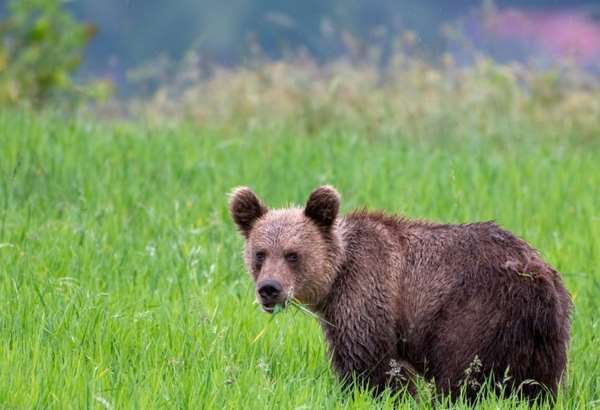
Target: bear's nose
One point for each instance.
(269, 290)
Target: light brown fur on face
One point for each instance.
(287, 232)
(299, 247)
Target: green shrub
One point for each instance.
(40, 50)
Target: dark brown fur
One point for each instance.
(452, 303)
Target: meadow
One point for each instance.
(121, 277)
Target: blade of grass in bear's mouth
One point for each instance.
(276, 310)
(294, 302)
(279, 308)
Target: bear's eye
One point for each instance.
(291, 257)
(259, 257)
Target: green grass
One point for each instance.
(121, 278)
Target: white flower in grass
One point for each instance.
(151, 250)
(104, 402)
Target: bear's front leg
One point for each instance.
(389, 373)
(371, 360)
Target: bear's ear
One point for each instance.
(245, 209)
(322, 206)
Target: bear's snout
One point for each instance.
(270, 293)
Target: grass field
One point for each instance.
(121, 278)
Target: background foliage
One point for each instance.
(41, 48)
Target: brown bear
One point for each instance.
(454, 304)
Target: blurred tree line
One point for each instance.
(132, 33)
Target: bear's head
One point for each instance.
(293, 252)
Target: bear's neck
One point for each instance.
(358, 325)
(357, 316)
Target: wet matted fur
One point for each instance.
(452, 303)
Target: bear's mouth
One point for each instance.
(272, 307)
